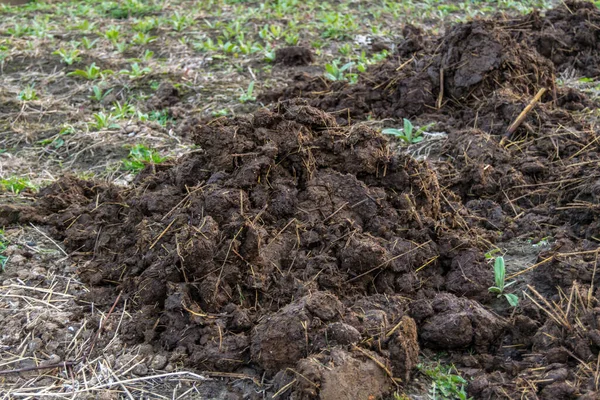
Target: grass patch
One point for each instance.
(446, 383)
(140, 156)
(16, 184)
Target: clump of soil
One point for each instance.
(293, 56)
(288, 236)
(459, 71)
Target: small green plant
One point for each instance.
(334, 72)
(142, 38)
(103, 120)
(92, 72)
(3, 248)
(28, 94)
(98, 94)
(69, 56)
(180, 22)
(87, 43)
(145, 25)
(248, 94)
(408, 133)
(136, 71)
(446, 384)
(220, 113)
(346, 49)
(18, 30)
(112, 34)
(16, 184)
(292, 39)
(85, 26)
(501, 285)
(122, 111)
(57, 140)
(140, 156)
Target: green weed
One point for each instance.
(334, 72)
(142, 38)
(501, 285)
(3, 248)
(68, 56)
(87, 43)
(446, 384)
(136, 71)
(408, 133)
(248, 94)
(92, 72)
(28, 94)
(140, 156)
(103, 120)
(16, 184)
(57, 140)
(98, 94)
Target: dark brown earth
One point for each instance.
(293, 56)
(307, 249)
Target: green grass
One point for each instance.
(446, 383)
(140, 156)
(3, 247)
(16, 184)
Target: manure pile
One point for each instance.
(296, 245)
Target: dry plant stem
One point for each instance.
(513, 127)
(65, 364)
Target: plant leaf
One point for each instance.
(513, 300)
(499, 271)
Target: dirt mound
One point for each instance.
(317, 254)
(293, 56)
(468, 65)
(273, 244)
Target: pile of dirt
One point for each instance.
(288, 236)
(456, 73)
(317, 254)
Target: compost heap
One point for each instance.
(317, 254)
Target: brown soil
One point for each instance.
(296, 246)
(293, 56)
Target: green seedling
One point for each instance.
(28, 94)
(57, 140)
(69, 56)
(92, 72)
(145, 25)
(87, 43)
(121, 47)
(346, 49)
(122, 111)
(3, 248)
(136, 71)
(140, 156)
(16, 184)
(408, 133)
(334, 72)
(103, 120)
(446, 384)
(112, 35)
(142, 38)
(501, 285)
(248, 94)
(490, 254)
(206, 45)
(98, 94)
(179, 22)
(18, 30)
(292, 39)
(85, 26)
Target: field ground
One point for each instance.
(169, 230)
